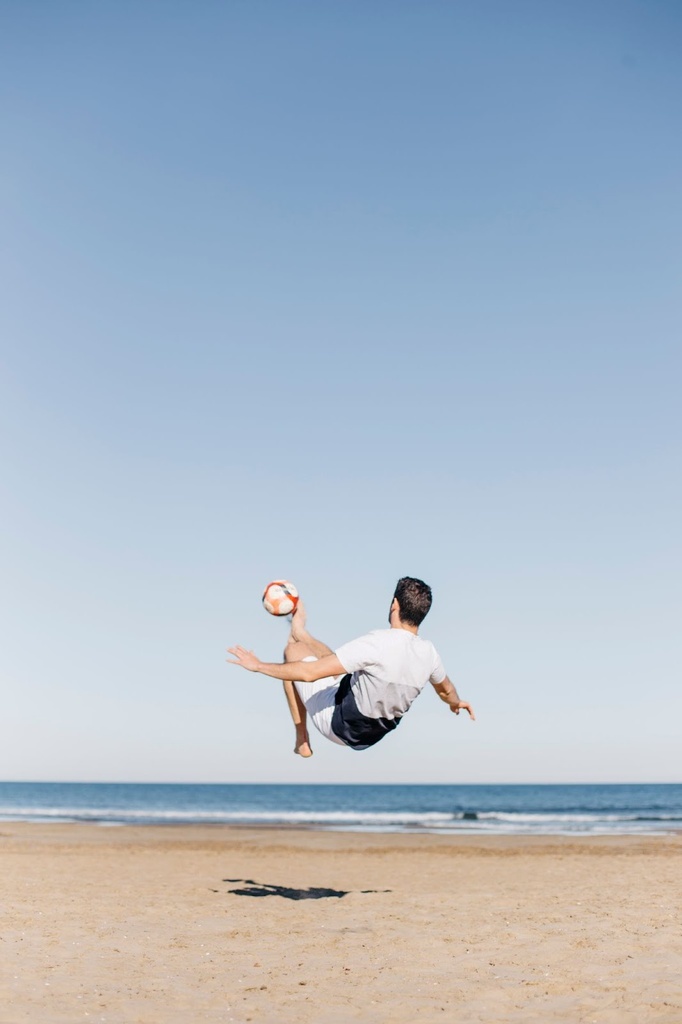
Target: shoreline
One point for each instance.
(225, 924)
(404, 838)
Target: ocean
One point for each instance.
(443, 809)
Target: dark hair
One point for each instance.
(414, 598)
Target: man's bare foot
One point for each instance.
(303, 747)
(299, 633)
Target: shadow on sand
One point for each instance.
(250, 888)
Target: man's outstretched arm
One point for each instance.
(293, 671)
(447, 693)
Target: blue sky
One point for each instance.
(340, 292)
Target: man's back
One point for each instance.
(388, 669)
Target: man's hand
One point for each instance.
(247, 659)
(447, 693)
(461, 705)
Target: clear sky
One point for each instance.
(340, 292)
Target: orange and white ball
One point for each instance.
(280, 597)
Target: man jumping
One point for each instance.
(359, 693)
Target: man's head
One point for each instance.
(414, 600)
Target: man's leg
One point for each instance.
(299, 633)
(301, 645)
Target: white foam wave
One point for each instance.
(155, 814)
(519, 816)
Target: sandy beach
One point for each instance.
(181, 924)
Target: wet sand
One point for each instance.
(160, 925)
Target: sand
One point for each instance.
(177, 925)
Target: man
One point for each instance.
(359, 693)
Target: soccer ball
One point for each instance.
(280, 597)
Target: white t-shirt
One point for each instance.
(389, 668)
